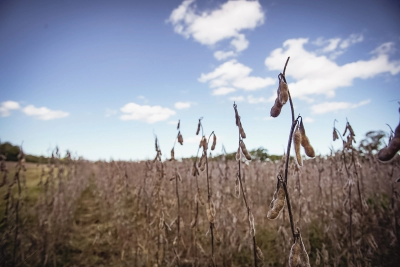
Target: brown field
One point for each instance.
(79, 213)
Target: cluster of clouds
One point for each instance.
(41, 113)
(227, 22)
(130, 111)
(313, 71)
(149, 114)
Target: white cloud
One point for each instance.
(237, 98)
(225, 22)
(149, 114)
(308, 120)
(44, 113)
(223, 91)
(235, 74)
(353, 39)
(182, 105)
(7, 106)
(110, 112)
(335, 106)
(221, 55)
(336, 46)
(256, 100)
(268, 118)
(316, 74)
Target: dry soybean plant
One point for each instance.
(299, 139)
(243, 155)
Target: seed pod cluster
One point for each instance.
(297, 143)
(298, 254)
(214, 142)
(305, 143)
(277, 202)
(244, 150)
(180, 138)
(387, 153)
(281, 98)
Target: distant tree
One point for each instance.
(260, 154)
(372, 141)
(10, 151)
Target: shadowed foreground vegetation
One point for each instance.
(73, 212)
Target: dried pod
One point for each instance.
(179, 124)
(387, 153)
(297, 143)
(237, 188)
(238, 154)
(277, 202)
(214, 142)
(351, 129)
(244, 150)
(198, 128)
(195, 171)
(251, 223)
(237, 118)
(203, 143)
(212, 208)
(295, 255)
(180, 138)
(298, 254)
(283, 92)
(259, 253)
(276, 108)
(200, 197)
(305, 143)
(202, 163)
(335, 135)
(242, 133)
(210, 216)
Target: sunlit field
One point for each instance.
(203, 211)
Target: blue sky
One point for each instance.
(99, 77)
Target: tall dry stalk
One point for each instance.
(243, 153)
